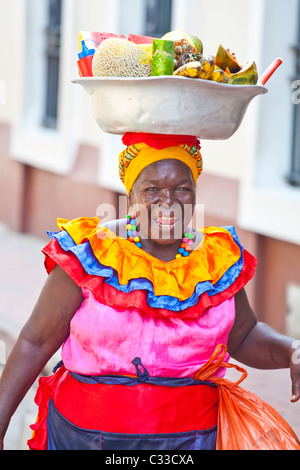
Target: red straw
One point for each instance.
(269, 71)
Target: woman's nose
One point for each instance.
(167, 197)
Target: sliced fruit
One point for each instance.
(137, 39)
(179, 36)
(246, 76)
(117, 57)
(220, 76)
(162, 57)
(199, 69)
(188, 57)
(226, 59)
(148, 48)
(197, 42)
(207, 67)
(191, 70)
(93, 39)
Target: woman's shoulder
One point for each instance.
(218, 265)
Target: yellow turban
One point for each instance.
(138, 156)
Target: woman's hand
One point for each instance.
(258, 345)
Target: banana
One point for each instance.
(197, 69)
(220, 76)
(207, 67)
(191, 69)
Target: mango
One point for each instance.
(246, 76)
(225, 59)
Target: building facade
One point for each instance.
(56, 162)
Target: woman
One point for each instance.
(138, 317)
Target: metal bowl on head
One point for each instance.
(168, 105)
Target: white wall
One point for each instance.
(268, 204)
(257, 155)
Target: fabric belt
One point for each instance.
(140, 404)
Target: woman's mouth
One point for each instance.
(166, 222)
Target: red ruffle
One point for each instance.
(114, 298)
(46, 387)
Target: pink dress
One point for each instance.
(141, 333)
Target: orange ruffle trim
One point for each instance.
(178, 278)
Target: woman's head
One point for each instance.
(160, 174)
(163, 197)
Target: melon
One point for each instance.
(148, 48)
(162, 57)
(94, 39)
(137, 39)
(117, 57)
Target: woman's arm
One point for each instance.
(40, 338)
(258, 345)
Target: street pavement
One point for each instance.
(22, 276)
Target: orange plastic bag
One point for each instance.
(245, 421)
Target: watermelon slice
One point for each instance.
(137, 39)
(93, 39)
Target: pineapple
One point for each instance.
(184, 53)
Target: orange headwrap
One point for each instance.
(144, 149)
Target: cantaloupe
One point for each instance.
(120, 58)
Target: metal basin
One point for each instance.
(168, 105)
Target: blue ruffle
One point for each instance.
(92, 266)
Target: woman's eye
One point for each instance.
(152, 189)
(183, 188)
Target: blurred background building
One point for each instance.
(56, 162)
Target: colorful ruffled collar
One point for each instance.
(177, 278)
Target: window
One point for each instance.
(53, 34)
(158, 17)
(45, 127)
(294, 177)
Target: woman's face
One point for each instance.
(163, 198)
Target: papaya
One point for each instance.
(225, 59)
(246, 76)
